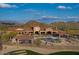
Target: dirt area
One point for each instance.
(43, 50)
(55, 47)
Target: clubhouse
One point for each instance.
(38, 31)
(27, 35)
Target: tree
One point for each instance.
(38, 42)
(6, 37)
(12, 34)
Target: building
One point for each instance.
(38, 31)
(20, 39)
(27, 35)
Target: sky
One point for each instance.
(22, 12)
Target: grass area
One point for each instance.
(29, 52)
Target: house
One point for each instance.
(37, 30)
(23, 39)
(48, 31)
(27, 35)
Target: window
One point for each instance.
(48, 33)
(37, 32)
(42, 33)
(55, 34)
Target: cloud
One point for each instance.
(4, 5)
(72, 17)
(69, 7)
(50, 17)
(32, 11)
(64, 7)
(57, 17)
(23, 4)
(61, 7)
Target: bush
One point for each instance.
(38, 42)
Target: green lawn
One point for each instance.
(29, 52)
